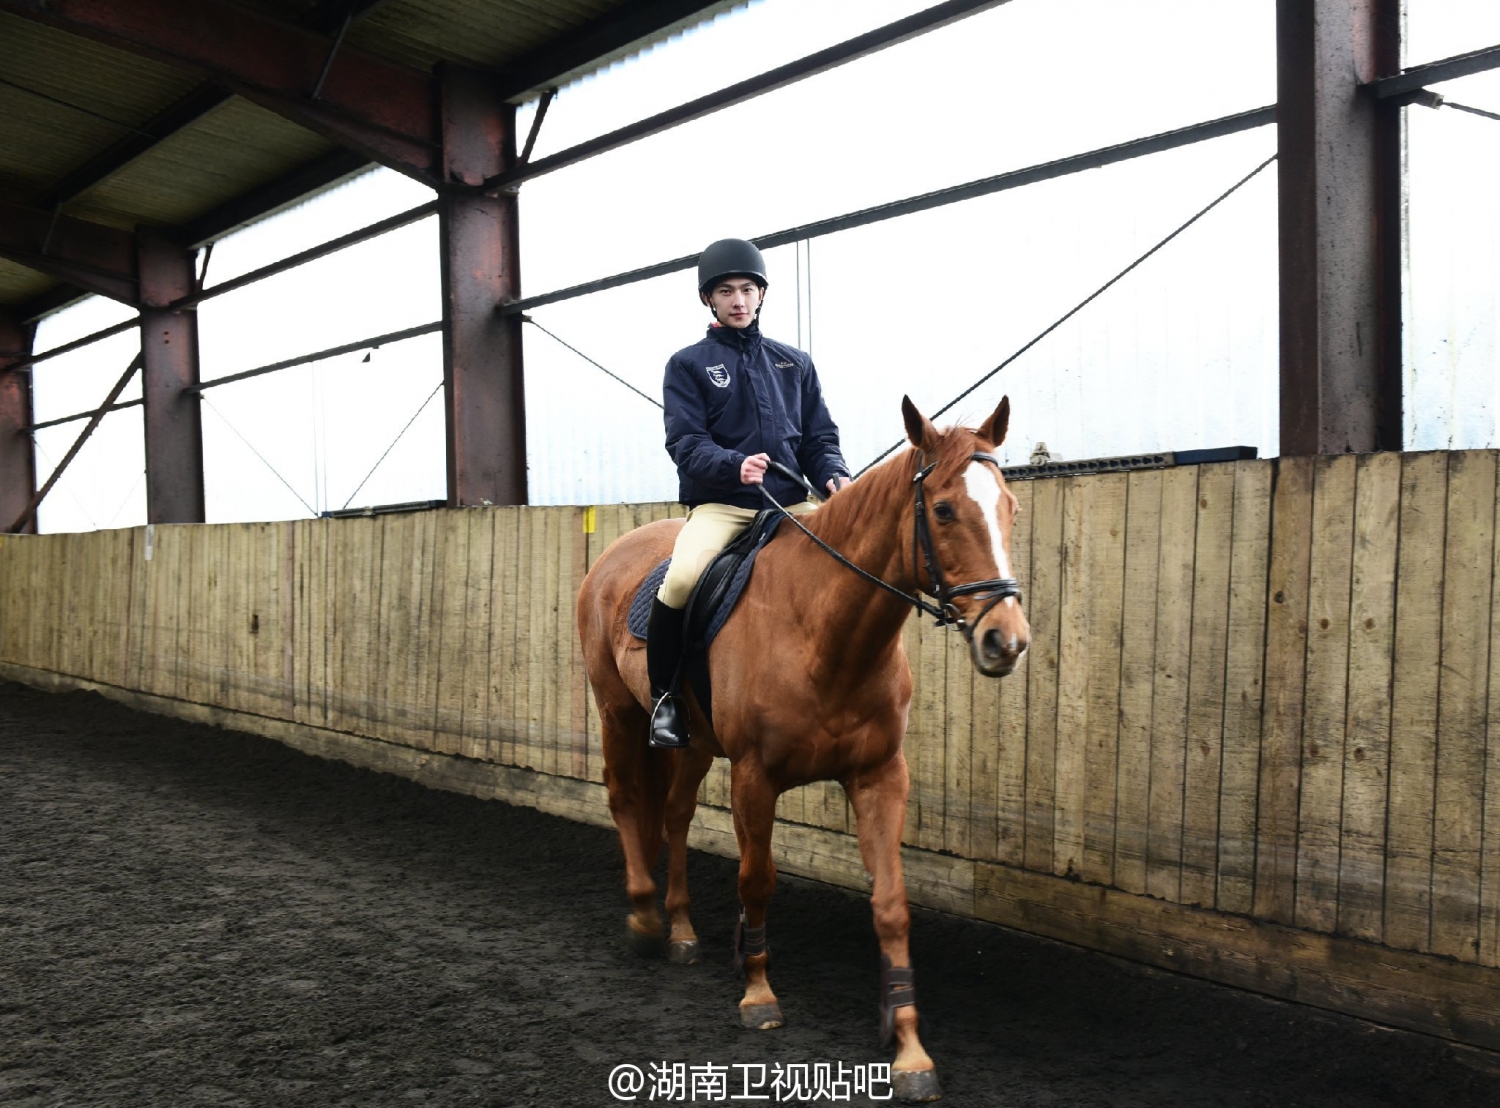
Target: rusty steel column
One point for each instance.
(17, 453)
(173, 416)
(483, 382)
(1340, 187)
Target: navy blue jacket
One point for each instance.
(736, 393)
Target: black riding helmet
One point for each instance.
(730, 258)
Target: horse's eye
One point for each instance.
(944, 512)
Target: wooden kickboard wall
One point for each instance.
(1260, 695)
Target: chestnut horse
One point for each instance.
(810, 683)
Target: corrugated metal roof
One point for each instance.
(66, 100)
(236, 146)
(43, 71)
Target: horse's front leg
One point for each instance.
(879, 801)
(754, 803)
(692, 766)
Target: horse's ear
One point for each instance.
(995, 427)
(919, 428)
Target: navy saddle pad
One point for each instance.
(717, 591)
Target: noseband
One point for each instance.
(992, 591)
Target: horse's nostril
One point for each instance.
(992, 646)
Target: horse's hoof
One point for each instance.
(647, 946)
(915, 1086)
(684, 953)
(761, 1017)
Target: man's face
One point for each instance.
(735, 300)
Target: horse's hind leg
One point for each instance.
(691, 766)
(879, 800)
(754, 803)
(636, 779)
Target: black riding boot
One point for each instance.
(664, 635)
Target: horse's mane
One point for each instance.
(888, 483)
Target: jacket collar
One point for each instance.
(743, 341)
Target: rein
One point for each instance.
(994, 590)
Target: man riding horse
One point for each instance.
(735, 402)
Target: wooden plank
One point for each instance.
(1414, 699)
(1088, 684)
(528, 649)
(1286, 651)
(392, 618)
(1489, 883)
(192, 638)
(448, 631)
(288, 621)
(421, 711)
(1367, 727)
(1137, 676)
(1042, 669)
(1007, 725)
(929, 722)
(1462, 704)
(136, 632)
(577, 687)
(1169, 682)
(556, 646)
(1072, 683)
(343, 595)
(1104, 577)
(911, 747)
(986, 757)
(503, 708)
(517, 615)
(1244, 672)
(958, 753)
(1203, 760)
(1319, 814)
(478, 597)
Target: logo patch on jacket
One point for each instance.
(783, 365)
(718, 375)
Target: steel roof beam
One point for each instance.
(1420, 76)
(385, 111)
(290, 188)
(91, 256)
(902, 30)
(184, 113)
(1046, 171)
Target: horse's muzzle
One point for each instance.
(996, 651)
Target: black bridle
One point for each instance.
(992, 591)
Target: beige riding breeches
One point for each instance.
(708, 530)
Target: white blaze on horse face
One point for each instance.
(984, 490)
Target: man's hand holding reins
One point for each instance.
(838, 481)
(753, 469)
